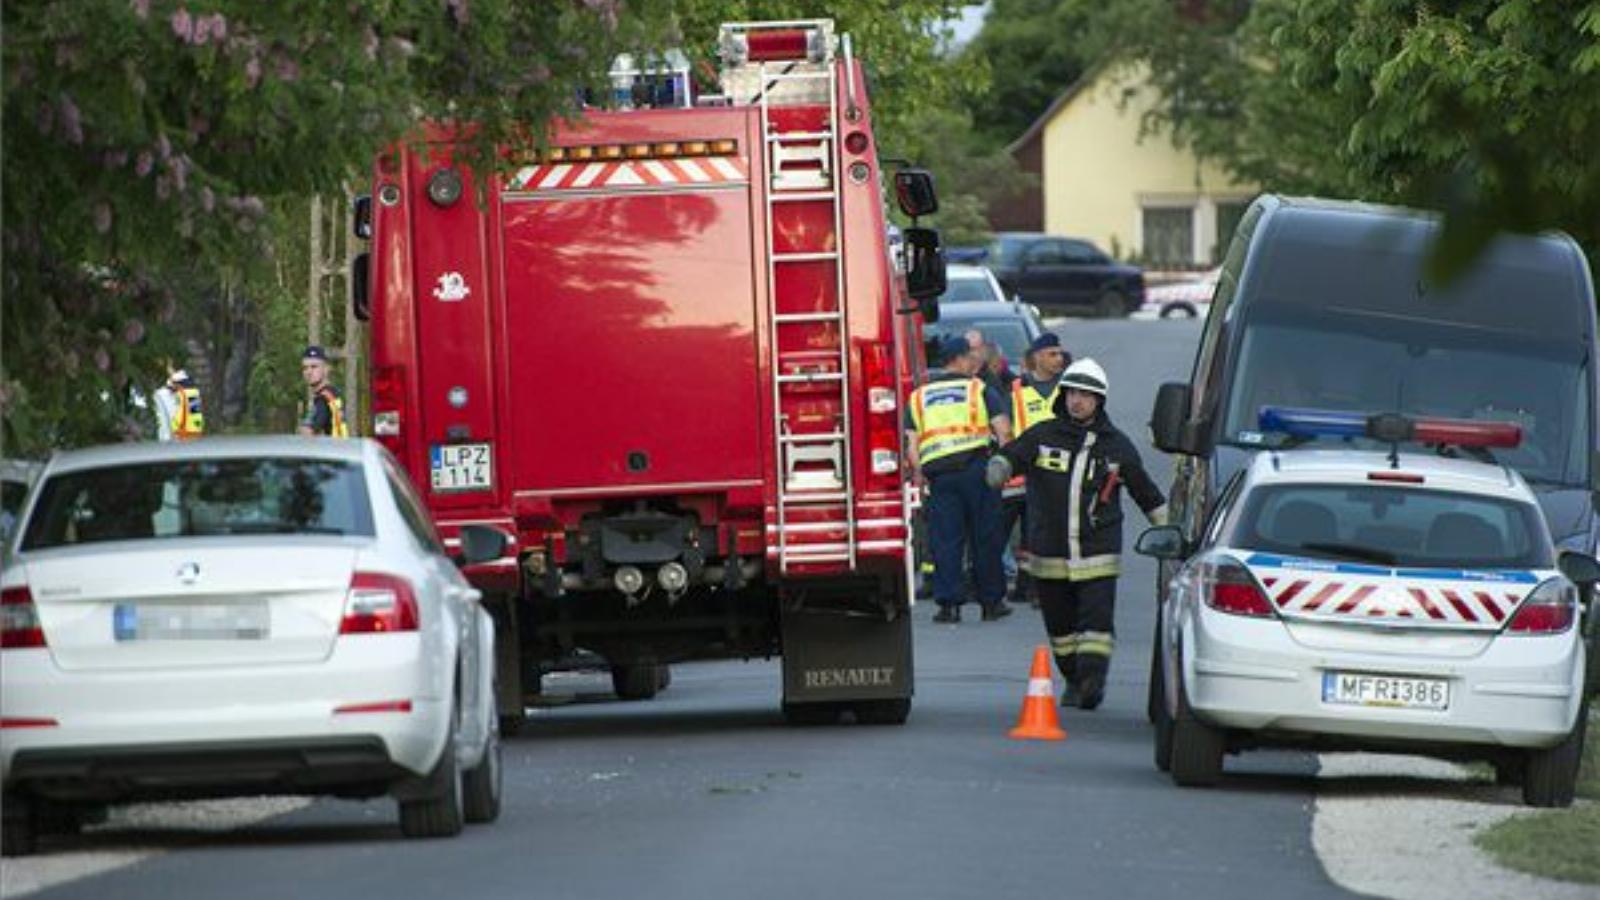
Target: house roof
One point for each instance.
(1089, 76)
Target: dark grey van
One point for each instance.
(1324, 304)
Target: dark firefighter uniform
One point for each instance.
(1076, 473)
(1031, 403)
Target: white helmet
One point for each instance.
(1086, 375)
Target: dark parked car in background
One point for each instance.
(1063, 275)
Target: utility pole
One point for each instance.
(352, 330)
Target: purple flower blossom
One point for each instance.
(202, 31)
(144, 163)
(71, 122)
(163, 147)
(208, 199)
(178, 167)
(252, 73)
(182, 24)
(133, 332)
(102, 217)
(219, 27)
(141, 8)
(102, 359)
(253, 207)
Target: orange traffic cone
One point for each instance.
(1038, 720)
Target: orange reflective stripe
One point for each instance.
(1019, 408)
(961, 430)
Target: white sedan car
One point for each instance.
(241, 617)
(1347, 600)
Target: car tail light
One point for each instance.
(1550, 609)
(379, 604)
(388, 401)
(1230, 588)
(19, 620)
(883, 421)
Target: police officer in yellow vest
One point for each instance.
(949, 422)
(1032, 396)
(186, 420)
(326, 416)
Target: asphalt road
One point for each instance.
(704, 793)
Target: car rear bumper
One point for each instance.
(1252, 675)
(242, 710)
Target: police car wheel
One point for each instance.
(1197, 748)
(437, 810)
(1551, 779)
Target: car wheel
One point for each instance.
(1551, 777)
(1178, 311)
(437, 811)
(811, 714)
(1163, 721)
(1197, 748)
(636, 682)
(883, 712)
(19, 826)
(1111, 305)
(481, 785)
(1151, 701)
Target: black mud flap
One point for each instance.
(833, 658)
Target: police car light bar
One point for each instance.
(1389, 427)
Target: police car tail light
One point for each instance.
(1467, 433)
(379, 604)
(1388, 427)
(19, 620)
(1550, 609)
(1230, 588)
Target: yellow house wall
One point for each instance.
(1099, 172)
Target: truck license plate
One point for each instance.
(461, 467)
(1394, 691)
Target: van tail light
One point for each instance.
(1230, 588)
(19, 620)
(388, 403)
(883, 418)
(1550, 609)
(379, 604)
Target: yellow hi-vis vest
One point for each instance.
(187, 421)
(951, 418)
(337, 426)
(1028, 407)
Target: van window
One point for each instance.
(1208, 361)
(1364, 363)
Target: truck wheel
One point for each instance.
(1111, 305)
(438, 811)
(637, 682)
(883, 712)
(1551, 778)
(810, 714)
(481, 785)
(1197, 748)
(19, 826)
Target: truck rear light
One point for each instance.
(386, 423)
(881, 399)
(19, 620)
(883, 426)
(885, 462)
(379, 604)
(388, 402)
(1230, 588)
(1550, 609)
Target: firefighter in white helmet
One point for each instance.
(1077, 466)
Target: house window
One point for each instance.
(1228, 216)
(1169, 235)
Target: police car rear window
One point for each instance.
(1394, 526)
(200, 498)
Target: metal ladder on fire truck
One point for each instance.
(802, 167)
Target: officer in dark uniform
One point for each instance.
(953, 421)
(1077, 465)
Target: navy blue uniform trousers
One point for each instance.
(963, 517)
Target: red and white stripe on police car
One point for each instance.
(1337, 598)
(688, 170)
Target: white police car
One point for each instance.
(1344, 599)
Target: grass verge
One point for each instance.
(1563, 843)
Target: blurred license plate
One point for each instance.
(1361, 689)
(461, 467)
(246, 621)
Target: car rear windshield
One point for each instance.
(963, 290)
(1393, 526)
(1009, 334)
(199, 498)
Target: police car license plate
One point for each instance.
(462, 467)
(1395, 691)
(241, 621)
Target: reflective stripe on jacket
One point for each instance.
(337, 426)
(188, 422)
(1028, 407)
(951, 417)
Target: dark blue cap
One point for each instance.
(1044, 342)
(952, 346)
(315, 352)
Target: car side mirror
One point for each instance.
(1169, 415)
(925, 273)
(1162, 542)
(360, 295)
(1580, 568)
(479, 544)
(361, 217)
(913, 190)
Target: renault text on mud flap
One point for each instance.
(865, 676)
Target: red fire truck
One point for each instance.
(667, 355)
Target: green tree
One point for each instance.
(1034, 49)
